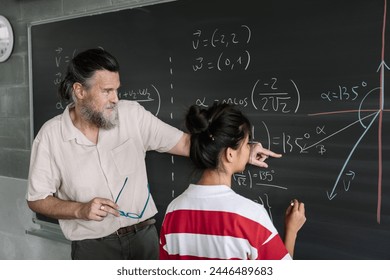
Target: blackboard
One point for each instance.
(311, 75)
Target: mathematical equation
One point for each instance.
(221, 50)
(271, 95)
(276, 95)
(288, 143)
(343, 93)
(149, 97)
(265, 180)
(61, 60)
(282, 96)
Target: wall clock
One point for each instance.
(6, 39)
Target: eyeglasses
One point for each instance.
(129, 214)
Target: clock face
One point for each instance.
(6, 39)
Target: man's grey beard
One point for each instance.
(98, 119)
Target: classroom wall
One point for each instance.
(15, 143)
(15, 219)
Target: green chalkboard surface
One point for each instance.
(312, 76)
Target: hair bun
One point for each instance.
(196, 120)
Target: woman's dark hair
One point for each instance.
(214, 129)
(82, 67)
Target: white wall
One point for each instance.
(15, 219)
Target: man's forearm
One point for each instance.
(56, 208)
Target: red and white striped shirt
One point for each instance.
(214, 222)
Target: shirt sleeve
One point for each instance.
(269, 244)
(43, 177)
(156, 134)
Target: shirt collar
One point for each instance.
(69, 131)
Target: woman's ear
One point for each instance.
(229, 155)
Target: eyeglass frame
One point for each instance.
(129, 214)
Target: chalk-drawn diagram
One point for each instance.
(283, 96)
(366, 123)
(279, 102)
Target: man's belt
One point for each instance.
(134, 228)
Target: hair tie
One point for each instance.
(211, 137)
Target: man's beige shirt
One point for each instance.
(64, 163)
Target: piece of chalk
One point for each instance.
(292, 203)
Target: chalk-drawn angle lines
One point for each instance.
(332, 194)
(376, 115)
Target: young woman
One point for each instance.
(209, 220)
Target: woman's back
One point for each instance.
(209, 220)
(213, 222)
